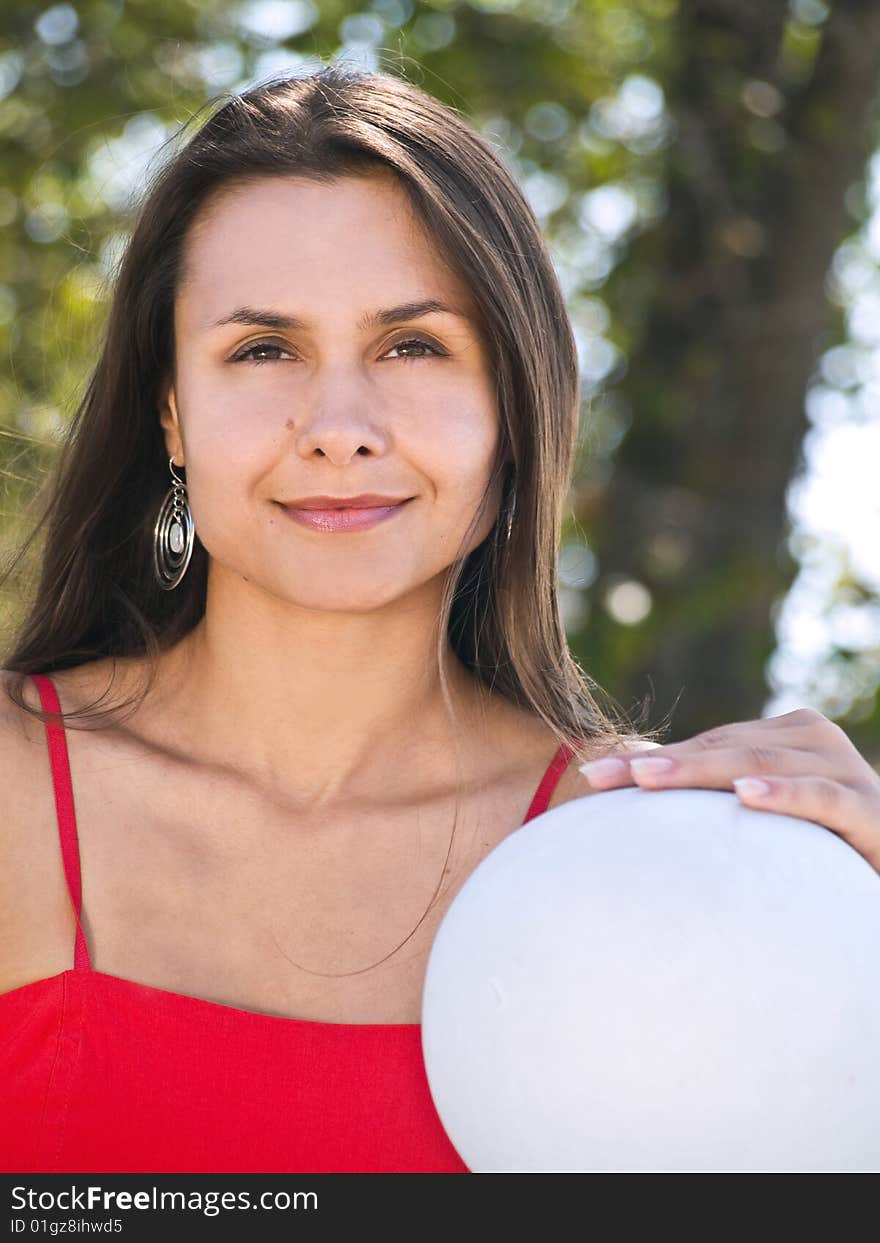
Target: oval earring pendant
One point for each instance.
(173, 537)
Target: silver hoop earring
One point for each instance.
(173, 535)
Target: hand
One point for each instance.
(808, 764)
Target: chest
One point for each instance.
(194, 883)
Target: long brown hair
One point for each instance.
(95, 595)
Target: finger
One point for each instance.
(800, 728)
(853, 814)
(804, 729)
(711, 769)
(608, 773)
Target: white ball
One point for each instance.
(660, 981)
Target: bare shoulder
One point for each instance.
(22, 743)
(24, 757)
(35, 913)
(25, 770)
(529, 745)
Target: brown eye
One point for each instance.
(419, 344)
(249, 354)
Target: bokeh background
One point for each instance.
(705, 173)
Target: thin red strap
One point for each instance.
(549, 781)
(67, 834)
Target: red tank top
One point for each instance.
(100, 1074)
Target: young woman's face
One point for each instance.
(345, 394)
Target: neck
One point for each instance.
(325, 707)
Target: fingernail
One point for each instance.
(602, 770)
(651, 766)
(751, 787)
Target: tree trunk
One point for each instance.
(695, 505)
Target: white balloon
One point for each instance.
(660, 981)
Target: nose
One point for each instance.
(339, 419)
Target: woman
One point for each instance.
(317, 718)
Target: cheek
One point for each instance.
(221, 431)
(226, 454)
(458, 459)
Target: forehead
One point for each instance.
(280, 240)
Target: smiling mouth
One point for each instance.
(344, 519)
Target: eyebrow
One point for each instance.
(267, 318)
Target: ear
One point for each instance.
(170, 421)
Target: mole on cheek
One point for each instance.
(289, 425)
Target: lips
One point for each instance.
(364, 500)
(359, 518)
